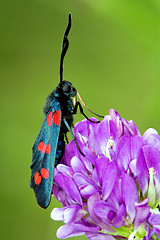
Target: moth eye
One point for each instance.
(67, 88)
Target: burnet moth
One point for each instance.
(49, 146)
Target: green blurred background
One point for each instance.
(113, 61)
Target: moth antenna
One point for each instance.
(65, 45)
(84, 104)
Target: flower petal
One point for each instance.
(67, 214)
(104, 132)
(99, 236)
(101, 163)
(142, 173)
(78, 166)
(130, 128)
(123, 127)
(69, 187)
(123, 153)
(109, 180)
(129, 194)
(74, 229)
(152, 138)
(136, 144)
(91, 202)
(117, 121)
(105, 211)
(142, 213)
(152, 157)
(65, 169)
(120, 217)
(154, 221)
(86, 186)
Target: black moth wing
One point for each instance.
(44, 153)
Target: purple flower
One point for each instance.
(113, 192)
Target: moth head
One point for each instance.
(68, 89)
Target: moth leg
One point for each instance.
(75, 107)
(66, 138)
(82, 112)
(73, 137)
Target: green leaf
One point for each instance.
(121, 231)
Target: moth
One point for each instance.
(49, 146)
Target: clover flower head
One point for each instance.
(113, 192)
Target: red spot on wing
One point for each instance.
(45, 173)
(50, 118)
(37, 178)
(42, 147)
(48, 148)
(57, 117)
